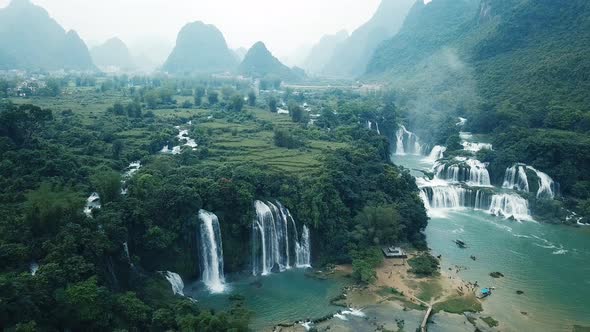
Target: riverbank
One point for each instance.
(399, 299)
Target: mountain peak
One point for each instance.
(201, 48)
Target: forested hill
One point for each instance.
(350, 57)
(260, 63)
(532, 53)
(200, 48)
(517, 69)
(30, 39)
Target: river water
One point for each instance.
(549, 263)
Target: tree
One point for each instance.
(117, 149)
(237, 103)
(364, 263)
(297, 113)
(108, 185)
(252, 98)
(22, 122)
(272, 104)
(424, 265)
(49, 206)
(286, 139)
(213, 97)
(87, 304)
(377, 225)
(199, 94)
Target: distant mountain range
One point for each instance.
(322, 52)
(113, 55)
(30, 40)
(200, 48)
(351, 56)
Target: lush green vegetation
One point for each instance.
(337, 179)
(515, 69)
(424, 265)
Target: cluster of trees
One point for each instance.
(355, 201)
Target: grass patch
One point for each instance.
(429, 290)
(490, 321)
(459, 305)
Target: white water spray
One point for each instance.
(546, 184)
(211, 252)
(515, 178)
(274, 238)
(510, 206)
(176, 282)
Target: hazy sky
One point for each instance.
(284, 25)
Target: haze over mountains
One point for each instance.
(200, 48)
(350, 58)
(113, 54)
(30, 39)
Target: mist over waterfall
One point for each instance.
(211, 252)
(176, 282)
(275, 240)
(515, 178)
(510, 206)
(464, 182)
(407, 142)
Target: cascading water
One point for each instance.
(176, 282)
(377, 128)
(92, 202)
(546, 184)
(302, 250)
(515, 178)
(211, 252)
(510, 206)
(476, 147)
(271, 242)
(436, 153)
(33, 267)
(471, 171)
(407, 142)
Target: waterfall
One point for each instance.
(407, 142)
(436, 153)
(546, 184)
(126, 250)
(478, 173)
(476, 147)
(462, 121)
(176, 282)
(399, 147)
(482, 200)
(211, 252)
(471, 171)
(274, 238)
(33, 267)
(445, 197)
(369, 125)
(131, 170)
(515, 178)
(302, 249)
(377, 127)
(92, 202)
(510, 206)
